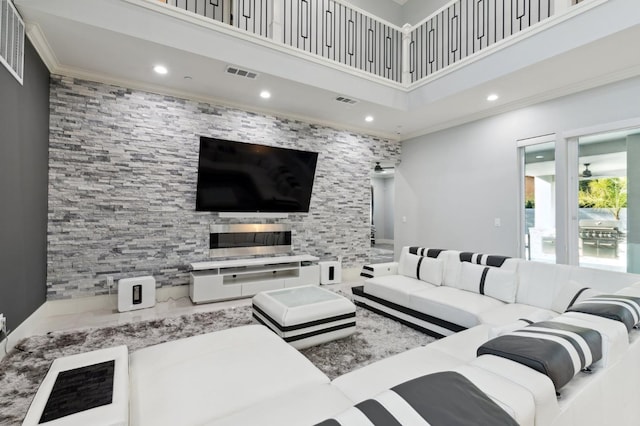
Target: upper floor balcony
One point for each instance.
(412, 79)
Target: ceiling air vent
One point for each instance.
(242, 73)
(346, 100)
(11, 39)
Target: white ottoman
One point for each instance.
(305, 316)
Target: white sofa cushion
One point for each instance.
(510, 312)
(516, 400)
(538, 283)
(570, 293)
(395, 288)
(202, 378)
(490, 281)
(422, 268)
(305, 405)
(538, 385)
(536, 316)
(369, 381)
(615, 339)
(408, 265)
(453, 305)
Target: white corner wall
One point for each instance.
(452, 185)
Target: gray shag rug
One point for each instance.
(23, 369)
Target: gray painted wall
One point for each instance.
(122, 180)
(24, 134)
(451, 184)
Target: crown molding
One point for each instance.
(42, 46)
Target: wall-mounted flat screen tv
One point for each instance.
(245, 177)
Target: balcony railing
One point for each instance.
(465, 27)
(338, 32)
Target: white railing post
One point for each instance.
(275, 26)
(406, 59)
(235, 10)
(559, 6)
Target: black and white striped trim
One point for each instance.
(483, 259)
(556, 349)
(428, 324)
(305, 330)
(443, 398)
(367, 271)
(426, 252)
(625, 309)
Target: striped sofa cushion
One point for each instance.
(555, 349)
(483, 259)
(445, 398)
(625, 309)
(426, 252)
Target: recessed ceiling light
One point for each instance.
(368, 118)
(160, 69)
(265, 94)
(492, 97)
(539, 157)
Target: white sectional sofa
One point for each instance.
(477, 375)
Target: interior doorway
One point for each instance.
(382, 212)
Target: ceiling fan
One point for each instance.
(379, 169)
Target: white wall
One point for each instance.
(452, 184)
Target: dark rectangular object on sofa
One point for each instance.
(442, 399)
(556, 350)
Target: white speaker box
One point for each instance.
(136, 293)
(330, 272)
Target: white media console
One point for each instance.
(231, 279)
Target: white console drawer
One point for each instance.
(207, 287)
(255, 287)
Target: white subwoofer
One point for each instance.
(136, 293)
(330, 272)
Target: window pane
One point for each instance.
(603, 191)
(539, 202)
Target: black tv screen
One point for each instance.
(245, 177)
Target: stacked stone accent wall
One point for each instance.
(122, 185)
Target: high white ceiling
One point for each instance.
(120, 41)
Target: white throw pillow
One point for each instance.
(570, 293)
(536, 316)
(431, 270)
(422, 268)
(490, 281)
(408, 265)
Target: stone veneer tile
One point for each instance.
(122, 181)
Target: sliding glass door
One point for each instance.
(539, 199)
(608, 192)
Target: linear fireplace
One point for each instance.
(249, 239)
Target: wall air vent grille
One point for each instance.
(346, 100)
(242, 73)
(11, 39)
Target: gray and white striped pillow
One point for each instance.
(555, 349)
(625, 309)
